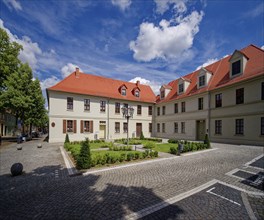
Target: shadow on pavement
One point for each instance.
(39, 194)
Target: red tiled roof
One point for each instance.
(220, 74)
(89, 84)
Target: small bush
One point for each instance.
(173, 150)
(67, 140)
(207, 141)
(142, 136)
(84, 158)
(149, 145)
(130, 156)
(173, 141)
(137, 155)
(156, 153)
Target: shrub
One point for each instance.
(173, 150)
(149, 145)
(137, 155)
(142, 136)
(67, 140)
(173, 141)
(156, 153)
(130, 156)
(84, 158)
(207, 141)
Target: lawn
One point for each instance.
(92, 145)
(164, 147)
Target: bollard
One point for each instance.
(16, 169)
(19, 147)
(39, 145)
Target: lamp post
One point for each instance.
(128, 112)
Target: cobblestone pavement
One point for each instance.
(45, 191)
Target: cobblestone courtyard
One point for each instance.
(46, 191)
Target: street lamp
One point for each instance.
(128, 112)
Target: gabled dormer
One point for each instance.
(238, 62)
(123, 90)
(203, 77)
(183, 84)
(164, 91)
(136, 92)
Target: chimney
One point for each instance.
(137, 83)
(77, 72)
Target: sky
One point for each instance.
(154, 41)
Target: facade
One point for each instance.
(7, 124)
(224, 99)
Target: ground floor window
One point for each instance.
(158, 127)
(88, 126)
(218, 126)
(117, 127)
(239, 126)
(176, 127)
(183, 127)
(262, 126)
(69, 125)
(150, 127)
(163, 127)
(125, 127)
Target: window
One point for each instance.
(218, 126)
(262, 91)
(218, 100)
(240, 96)
(163, 110)
(158, 111)
(137, 93)
(125, 127)
(183, 106)
(117, 108)
(125, 105)
(102, 106)
(162, 94)
(239, 126)
(88, 126)
(117, 127)
(262, 126)
(176, 127)
(163, 127)
(150, 110)
(201, 81)
(150, 127)
(200, 104)
(69, 103)
(69, 126)
(176, 108)
(123, 91)
(236, 67)
(139, 109)
(158, 127)
(182, 127)
(181, 88)
(86, 104)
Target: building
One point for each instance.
(85, 105)
(224, 99)
(7, 124)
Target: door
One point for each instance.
(102, 132)
(200, 125)
(138, 129)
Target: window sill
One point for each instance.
(217, 134)
(241, 135)
(70, 110)
(87, 111)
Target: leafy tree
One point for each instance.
(9, 62)
(84, 158)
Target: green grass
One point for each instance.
(92, 145)
(164, 147)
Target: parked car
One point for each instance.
(34, 134)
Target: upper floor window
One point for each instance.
(262, 91)
(102, 106)
(183, 107)
(69, 103)
(202, 81)
(139, 109)
(176, 127)
(240, 96)
(162, 94)
(176, 108)
(117, 127)
(123, 91)
(86, 104)
(158, 111)
(163, 127)
(200, 104)
(163, 110)
(181, 88)
(218, 100)
(218, 126)
(239, 126)
(150, 110)
(236, 67)
(117, 108)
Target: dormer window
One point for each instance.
(162, 94)
(203, 77)
(238, 62)
(183, 84)
(164, 91)
(137, 93)
(181, 88)
(123, 91)
(236, 67)
(202, 81)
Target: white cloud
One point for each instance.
(30, 49)
(262, 47)
(122, 4)
(68, 69)
(13, 4)
(155, 86)
(179, 6)
(166, 41)
(208, 62)
(49, 82)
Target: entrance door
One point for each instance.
(200, 133)
(102, 132)
(138, 129)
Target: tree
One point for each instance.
(67, 140)
(9, 62)
(84, 158)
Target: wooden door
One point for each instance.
(138, 129)
(200, 130)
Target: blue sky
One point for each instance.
(153, 40)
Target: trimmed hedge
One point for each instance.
(120, 148)
(149, 145)
(189, 146)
